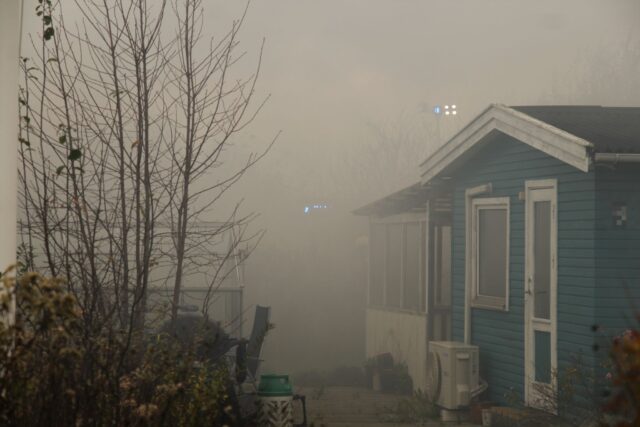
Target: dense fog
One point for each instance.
(351, 86)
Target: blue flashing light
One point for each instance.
(309, 208)
(437, 109)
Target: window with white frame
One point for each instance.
(490, 252)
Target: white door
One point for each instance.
(540, 294)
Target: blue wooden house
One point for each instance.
(523, 233)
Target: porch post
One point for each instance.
(427, 262)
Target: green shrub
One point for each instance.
(56, 371)
(394, 377)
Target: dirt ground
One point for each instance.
(355, 406)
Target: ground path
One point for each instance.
(356, 406)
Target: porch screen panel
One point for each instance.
(376, 265)
(542, 259)
(394, 265)
(492, 252)
(411, 292)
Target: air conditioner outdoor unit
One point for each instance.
(453, 373)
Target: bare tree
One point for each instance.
(126, 137)
(385, 159)
(211, 110)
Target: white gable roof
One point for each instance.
(539, 135)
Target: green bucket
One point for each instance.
(275, 385)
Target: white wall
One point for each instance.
(402, 334)
(10, 18)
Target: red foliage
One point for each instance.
(625, 401)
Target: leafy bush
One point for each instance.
(575, 401)
(394, 377)
(624, 404)
(396, 380)
(57, 372)
(608, 395)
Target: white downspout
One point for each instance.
(10, 35)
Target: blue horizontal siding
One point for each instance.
(507, 164)
(617, 249)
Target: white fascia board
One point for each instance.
(454, 148)
(546, 138)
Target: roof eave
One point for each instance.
(549, 139)
(381, 206)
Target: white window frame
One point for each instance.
(478, 300)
